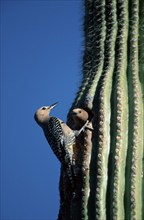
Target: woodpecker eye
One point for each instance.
(43, 108)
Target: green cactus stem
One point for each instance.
(110, 156)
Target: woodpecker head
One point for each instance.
(80, 116)
(42, 115)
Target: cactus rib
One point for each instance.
(119, 120)
(133, 198)
(104, 86)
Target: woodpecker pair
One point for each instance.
(60, 136)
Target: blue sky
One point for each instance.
(41, 55)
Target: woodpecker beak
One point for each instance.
(74, 113)
(53, 105)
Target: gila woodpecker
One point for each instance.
(80, 116)
(60, 137)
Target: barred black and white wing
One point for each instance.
(60, 145)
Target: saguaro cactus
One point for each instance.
(109, 183)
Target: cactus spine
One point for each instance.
(110, 184)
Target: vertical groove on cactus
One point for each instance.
(104, 110)
(119, 119)
(133, 198)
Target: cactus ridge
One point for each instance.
(119, 120)
(134, 160)
(104, 91)
(87, 58)
(93, 55)
(98, 53)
